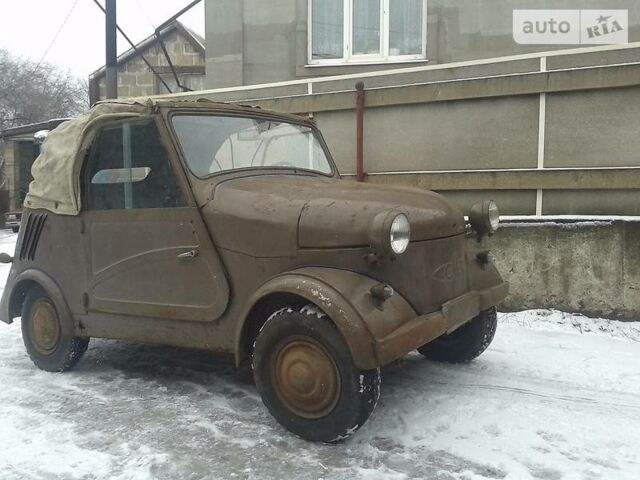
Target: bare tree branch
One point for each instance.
(31, 95)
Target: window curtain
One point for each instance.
(327, 29)
(405, 27)
(366, 27)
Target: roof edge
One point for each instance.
(32, 127)
(196, 40)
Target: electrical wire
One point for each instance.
(144, 14)
(55, 37)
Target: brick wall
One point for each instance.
(136, 80)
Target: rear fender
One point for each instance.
(18, 287)
(346, 299)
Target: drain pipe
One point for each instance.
(360, 131)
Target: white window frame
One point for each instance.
(347, 57)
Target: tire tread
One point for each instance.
(465, 344)
(70, 348)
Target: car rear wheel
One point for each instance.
(45, 334)
(306, 377)
(15, 229)
(465, 343)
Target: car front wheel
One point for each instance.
(465, 343)
(306, 377)
(45, 336)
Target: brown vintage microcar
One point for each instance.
(228, 228)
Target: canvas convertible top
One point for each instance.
(56, 171)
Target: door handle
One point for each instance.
(189, 254)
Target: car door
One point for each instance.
(148, 250)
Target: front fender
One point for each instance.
(345, 297)
(17, 287)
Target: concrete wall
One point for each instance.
(224, 39)
(611, 116)
(583, 129)
(587, 267)
(254, 41)
(472, 29)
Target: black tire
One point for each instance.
(306, 339)
(43, 333)
(15, 229)
(466, 343)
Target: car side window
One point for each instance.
(129, 167)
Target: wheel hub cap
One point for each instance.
(45, 327)
(306, 378)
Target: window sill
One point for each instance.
(366, 63)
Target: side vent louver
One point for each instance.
(31, 235)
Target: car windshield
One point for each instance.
(213, 144)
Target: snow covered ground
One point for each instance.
(555, 397)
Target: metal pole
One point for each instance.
(360, 131)
(112, 50)
(135, 49)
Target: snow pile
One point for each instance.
(551, 320)
(556, 397)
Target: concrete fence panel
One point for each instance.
(593, 128)
(589, 267)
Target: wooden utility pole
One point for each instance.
(112, 50)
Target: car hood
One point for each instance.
(283, 212)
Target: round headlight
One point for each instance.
(400, 234)
(485, 217)
(389, 233)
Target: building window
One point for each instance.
(360, 31)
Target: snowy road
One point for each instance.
(548, 400)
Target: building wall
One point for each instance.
(136, 80)
(472, 29)
(252, 41)
(19, 155)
